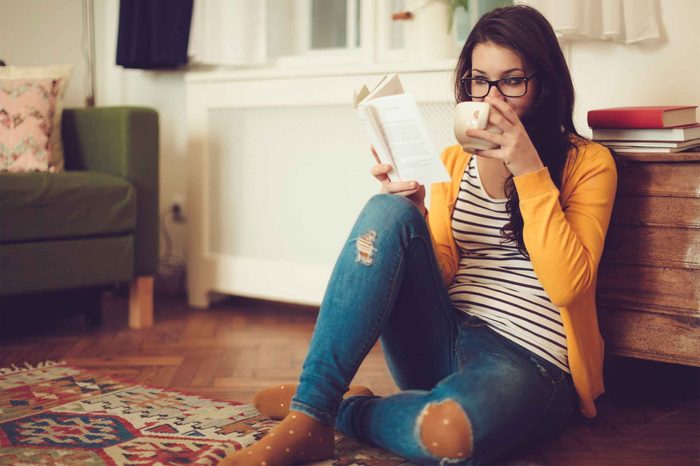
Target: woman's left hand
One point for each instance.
(517, 151)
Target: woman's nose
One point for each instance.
(495, 93)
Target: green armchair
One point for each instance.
(94, 224)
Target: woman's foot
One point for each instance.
(274, 402)
(297, 439)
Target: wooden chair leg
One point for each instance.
(92, 302)
(141, 302)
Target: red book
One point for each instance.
(642, 117)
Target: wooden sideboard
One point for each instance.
(649, 279)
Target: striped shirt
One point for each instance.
(495, 281)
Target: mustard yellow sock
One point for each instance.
(297, 439)
(274, 402)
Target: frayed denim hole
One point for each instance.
(425, 450)
(365, 248)
(543, 371)
(417, 435)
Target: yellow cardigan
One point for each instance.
(564, 233)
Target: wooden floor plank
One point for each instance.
(650, 414)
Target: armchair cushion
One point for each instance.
(80, 204)
(31, 109)
(61, 264)
(121, 141)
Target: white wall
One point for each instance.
(605, 74)
(666, 73)
(162, 90)
(44, 32)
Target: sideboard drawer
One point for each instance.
(648, 335)
(660, 178)
(665, 289)
(657, 246)
(649, 278)
(645, 210)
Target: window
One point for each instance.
(313, 28)
(334, 24)
(336, 31)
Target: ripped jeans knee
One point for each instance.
(445, 431)
(365, 248)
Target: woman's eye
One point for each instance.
(512, 81)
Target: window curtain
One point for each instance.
(229, 32)
(153, 33)
(623, 21)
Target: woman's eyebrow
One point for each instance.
(505, 72)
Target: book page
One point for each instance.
(388, 85)
(376, 138)
(408, 140)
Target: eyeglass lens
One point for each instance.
(509, 87)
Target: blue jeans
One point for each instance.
(386, 285)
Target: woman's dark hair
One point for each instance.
(549, 121)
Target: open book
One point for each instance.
(398, 133)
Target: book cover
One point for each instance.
(642, 117)
(651, 150)
(679, 134)
(672, 145)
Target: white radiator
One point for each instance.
(278, 171)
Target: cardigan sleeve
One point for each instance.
(566, 243)
(440, 221)
(442, 254)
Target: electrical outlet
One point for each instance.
(177, 208)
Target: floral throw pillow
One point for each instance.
(31, 103)
(27, 110)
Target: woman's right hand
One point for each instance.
(411, 190)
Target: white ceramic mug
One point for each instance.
(474, 115)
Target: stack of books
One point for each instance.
(661, 129)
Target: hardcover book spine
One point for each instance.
(632, 119)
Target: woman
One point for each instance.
(485, 304)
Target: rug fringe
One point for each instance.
(13, 369)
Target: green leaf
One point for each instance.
(454, 4)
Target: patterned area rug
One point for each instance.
(58, 414)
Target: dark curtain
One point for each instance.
(153, 33)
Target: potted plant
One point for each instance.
(428, 28)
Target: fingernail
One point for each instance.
(413, 184)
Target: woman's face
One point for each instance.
(493, 62)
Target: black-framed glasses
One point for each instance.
(509, 86)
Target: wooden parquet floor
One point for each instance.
(649, 416)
